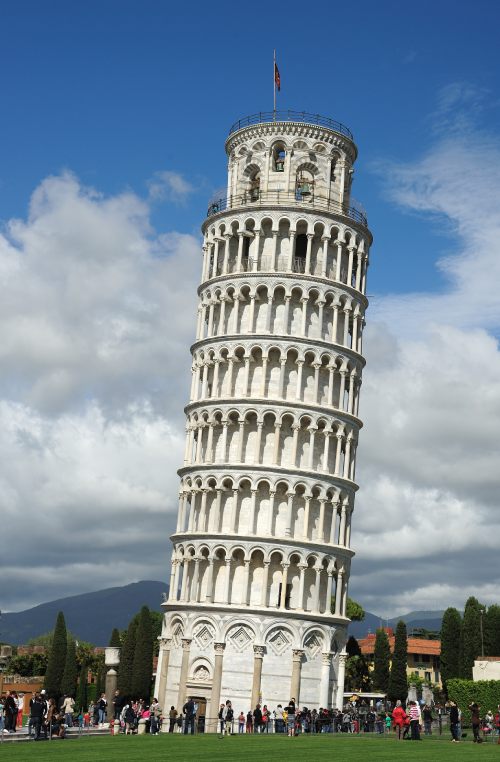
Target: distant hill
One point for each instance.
(90, 616)
(429, 620)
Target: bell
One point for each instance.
(305, 189)
(280, 165)
(254, 194)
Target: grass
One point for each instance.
(245, 748)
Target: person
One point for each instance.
(220, 717)
(118, 704)
(129, 719)
(497, 722)
(388, 722)
(475, 720)
(172, 717)
(257, 719)
(189, 712)
(37, 711)
(249, 727)
(279, 724)
(398, 718)
(101, 709)
(414, 716)
(241, 722)
(427, 718)
(291, 717)
(155, 716)
(20, 709)
(265, 719)
(454, 721)
(228, 716)
(68, 707)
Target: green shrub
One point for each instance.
(486, 693)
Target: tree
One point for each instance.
(352, 647)
(470, 641)
(70, 674)
(491, 626)
(57, 658)
(82, 694)
(355, 610)
(115, 640)
(357, 674)
(398, 681)
(28, 665)
(127, 660)
(142, 669)
(451, 628)
(381, 662)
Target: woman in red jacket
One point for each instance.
(398, 718)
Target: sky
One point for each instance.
(113, 117)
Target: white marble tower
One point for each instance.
(261, 559)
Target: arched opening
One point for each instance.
(279, 155)
(299, 265)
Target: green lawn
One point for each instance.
(261, 748)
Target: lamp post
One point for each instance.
(481, 612)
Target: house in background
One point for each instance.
(423, 656)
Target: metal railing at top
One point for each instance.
(260, 198)
(292, 116)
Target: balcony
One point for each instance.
(302, 117)
(285, 198)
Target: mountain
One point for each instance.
(90, 616)
(428, 620)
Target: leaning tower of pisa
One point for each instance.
(256, 611)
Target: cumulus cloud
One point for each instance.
(429, 452)
(168, 185)
(97, 315)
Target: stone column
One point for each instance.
(216, 686)
(163, 661)
(258, 655)
(297, 655)
(111, 660)
(186, 648)
(324, 690)
(341, 680)
(265, 581)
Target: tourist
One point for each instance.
(265, 719)
(249, 725)
(475, 720)
(172, 718)
(278, 723)
(68, 706)
(241, 722)
(101, 709)
(414, 716)
(291, 717)
(257, 719)
(118, 705)
(2, 724)
(155, 717)
(227, 717)
(454, 721)
(220, 718)
(427, 718)
(10, 710)
(398, 718)
(189, 715)
(129, 718)
(37, 712)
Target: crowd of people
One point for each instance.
(48, 718)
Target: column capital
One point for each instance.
(186, 643)
(219, 648)
(259, 651)
(297, 654)
(165, 643)
(343, 659)
(326, 658)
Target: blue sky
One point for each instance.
(119, 89)
(112, 127)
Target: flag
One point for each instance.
(277, 78)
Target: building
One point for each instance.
(423, 656)
(486, 668)
(267, 489)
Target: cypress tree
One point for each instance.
(471, 637)
(142, 668)
(57, 659)
(127, 660)
(451, 629)
(82, 701)
(491, 626)
(352, 647)
(115, 641)
(398, 681)
(68, 682)
(381, 662)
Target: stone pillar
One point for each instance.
(186, 648)
(216, 686)
(412, 692)
(324, 690)
(258, 655)
(341, 680)
(111, 660)
(297, 655)
(163, 662)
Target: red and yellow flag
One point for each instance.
(277, 78)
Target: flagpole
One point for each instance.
(274, 85)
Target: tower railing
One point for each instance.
(252, 198)
(292, 116)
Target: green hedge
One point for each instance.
(486, 693)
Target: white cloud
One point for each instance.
(429, 452)
(168, 185)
